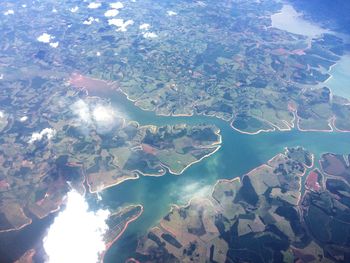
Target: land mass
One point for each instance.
(242, 70)
(261, 218)
(118, 222)
(220, 59)
(88, 145)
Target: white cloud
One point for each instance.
(192, 189)
(38, 136)
(201, 4)
(150, 35)
(94, 5)
(127, 23)
(144, 26)
(111, 13)
(81, 109)
(87, 22)
(90, 20)
(2, 114)
(171, 13)
(9, 12)
(116, 22)
(1, 76)
(76, 234)
(23, 119)
(74, 9)
(102, 117)
(54, 44)
(120, 24)
(45, 38)
(117, 5)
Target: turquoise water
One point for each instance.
(339, 83)
(290, 20)
(239, 154)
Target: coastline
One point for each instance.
(240, 178)
(190, 164)
(111, 185)
(29, 221)
(324, 176)
(114, 86)
(215, 145)
(109, 244)
(273, 128)
(324, 172)
(212, 202)
(58, 208)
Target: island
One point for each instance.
(261, 217)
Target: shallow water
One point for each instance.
(290, 20)
(340, 80)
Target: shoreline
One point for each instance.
(109, 244)
(216, 145)
(30, 221)
(58, 208)
(324, 175)
(215, 204)
(273, 128)
(209, 198)
(110, 185)
(230, 120)
(194, 162)
(327, 174)
(113, 85)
